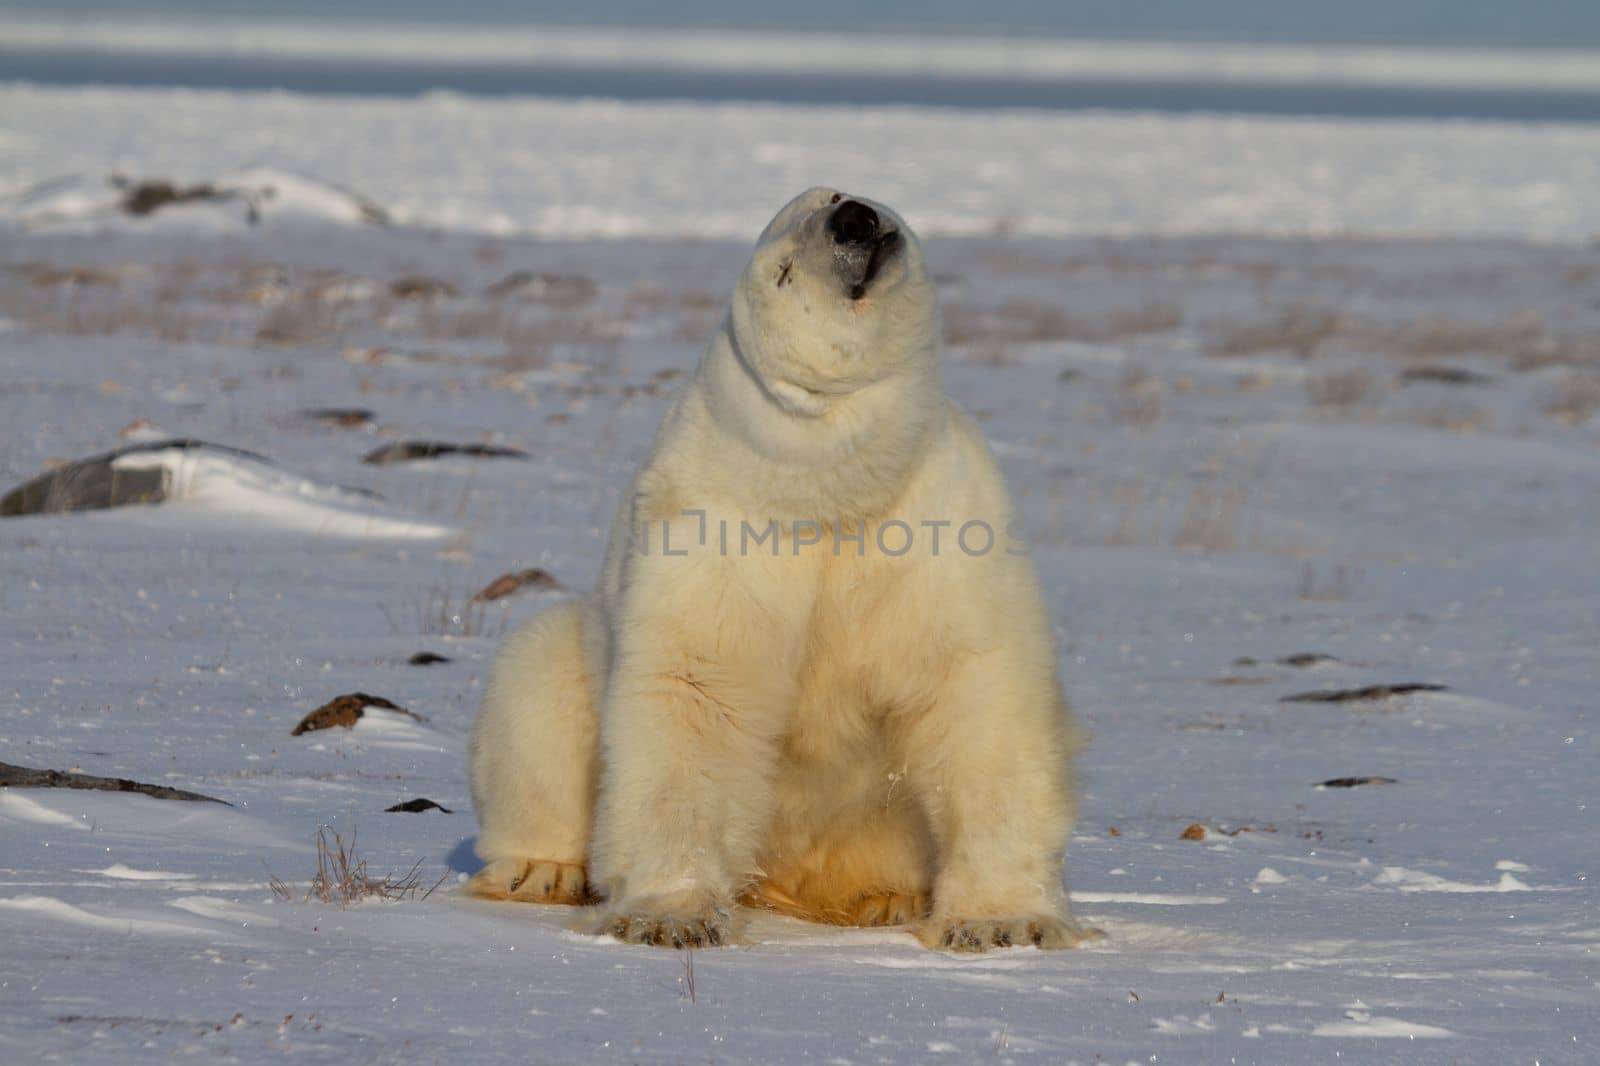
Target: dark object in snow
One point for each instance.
(140, 198)
(420, 287)
(1355, 782)
(95, 483)
(428, 658)
(565, 290)
(1298, 660)
(338, 416)
(1360, 695)
(416, 806)
(407, 450)
(1195, 831)
(343, 712)
(506, 584)
(1302, 659)
(1445, 375)
(24, 777)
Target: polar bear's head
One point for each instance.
(834, 299)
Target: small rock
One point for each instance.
(338, 416)
(1445, 375)
(1355, 782)
(428, 658)
(345, 711)
(1196, 831)
(1302, 659)
(416, 806)
(420, 287)
(406, 451)
(1361, 695)
(140, 198)
(506, 584)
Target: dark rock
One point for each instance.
(94, 483)
(1445, 375)
(343, 712)
(1360, 695)
(416, 806)
(338, 416)
(406, 451)
(1355, 782)
(421, 287)
(26, 777)
(140, 198)
(1302, 659)
(428, 658)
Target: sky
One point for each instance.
(1442, 22)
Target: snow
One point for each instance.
(235, 490)
(1192, 499)
(714, 171)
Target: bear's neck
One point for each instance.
(802, 454)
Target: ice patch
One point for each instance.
(1418, 881)
(1268, 876)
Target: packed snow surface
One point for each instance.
(1249, 468)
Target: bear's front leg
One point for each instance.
(991, 761)
(698, 699)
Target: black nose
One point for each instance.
(853, 223)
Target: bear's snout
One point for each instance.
(853, 222)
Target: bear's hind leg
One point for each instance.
(533, 758)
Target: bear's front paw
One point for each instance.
(532, 881)
(704, 926)
(1045, 931)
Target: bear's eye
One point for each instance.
(836, 198)
(783, 272)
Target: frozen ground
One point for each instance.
(1382, 451)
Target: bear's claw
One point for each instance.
(532, 881)
(1046, 932)
(703, 929)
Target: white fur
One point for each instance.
(838, 735)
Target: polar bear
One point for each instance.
(800, 685)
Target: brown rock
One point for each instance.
(506, 584)
(345, 711)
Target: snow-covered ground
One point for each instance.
(598, 168)
(1229, 450)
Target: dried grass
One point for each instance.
(342, 875)
(1575, 399)
(1341, 389)
(1030, 322)
(1297, 330)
